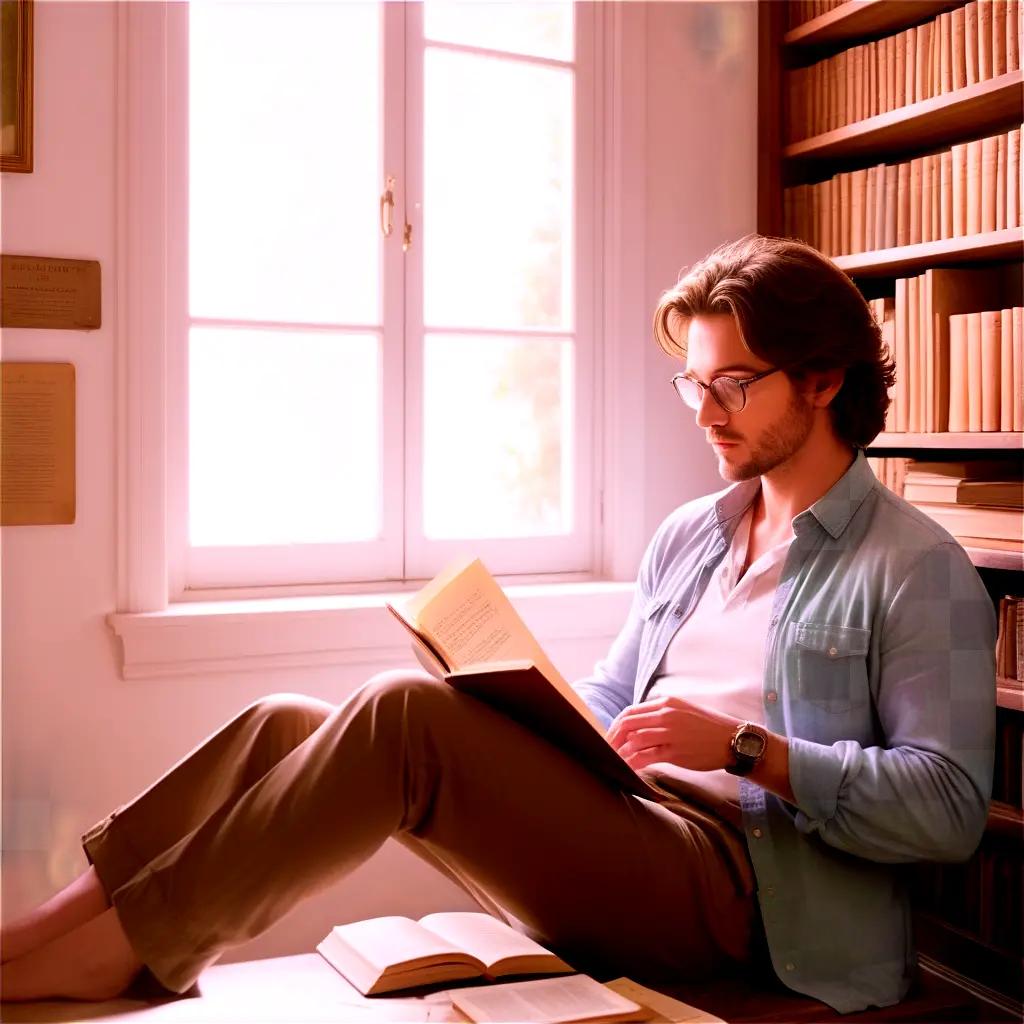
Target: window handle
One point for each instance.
(387, 207)
(407, 237)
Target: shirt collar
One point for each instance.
(833, 510)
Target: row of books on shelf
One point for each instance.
(968, 189)
(805, 10)
(981, 897)
(1010, 642)
(961, 47)
(958, 350)
(981, 502)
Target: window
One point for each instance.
(379, 274)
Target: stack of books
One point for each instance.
(970, 188)
(959, 48)
(1010, 645)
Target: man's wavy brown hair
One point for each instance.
(794, 308)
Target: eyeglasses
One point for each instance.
(728, 392)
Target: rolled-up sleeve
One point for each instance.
(923, 794)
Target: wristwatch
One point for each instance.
(747, 746)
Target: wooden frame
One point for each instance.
(16, 89)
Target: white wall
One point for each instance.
(77, 739)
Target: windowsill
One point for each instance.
(201, 637)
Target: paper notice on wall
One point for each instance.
(41, 291)
(37, 444)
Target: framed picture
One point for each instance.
(16, 85)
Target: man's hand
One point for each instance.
(672, 730)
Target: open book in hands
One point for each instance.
(384, 954)
(466, 632)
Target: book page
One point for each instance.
(666, 1010)
(387, 941)
(487, 938)
(467, 616)
(547, 1001)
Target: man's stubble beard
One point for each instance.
(777, 443)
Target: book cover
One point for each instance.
(845, 221)
(899, 59)
(915, 365)
(859, 86)
(891, 204)
(903, 203)
(869, 209)
(909, 65)
(1012, 35)
(923, 62)
(945, 52)
(878, 206)
(976, 521)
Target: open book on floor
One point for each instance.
(465, 631)
(384, 954)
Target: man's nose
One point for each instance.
(710, 413)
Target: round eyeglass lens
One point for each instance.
(727, 393)
(688, 390)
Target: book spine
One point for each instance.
(958, 372)
(915, 364)
(916, 174)
(1006, 369)
(1012, 37)
(990, 398)
(927, 199)
(902, 354)
(946, 194)
(959, 156)
(909, 65)
(945, 52)
(957, 63)
(922, 62)
(899, 84)
(1001, 180)
(984, 40)
(1018, 367)
(989, 183)
(971, 43)
(972, 193)
(974, 375)
(999, 10)
(1013, 219)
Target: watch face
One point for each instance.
(749, 744)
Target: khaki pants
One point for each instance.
(293, 793)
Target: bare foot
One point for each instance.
(82, 900)
(93, 961)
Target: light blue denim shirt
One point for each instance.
(880, 668)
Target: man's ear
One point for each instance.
(823, 385)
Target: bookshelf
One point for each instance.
(966, 916)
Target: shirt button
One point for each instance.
(678, 611)
(790, 967)
(832, 652)
(771, 697)
(756, 833)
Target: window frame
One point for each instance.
(149, 586)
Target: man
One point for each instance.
(807, 672)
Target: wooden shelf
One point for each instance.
(1009, 694)
(991, 558)
(952, 117)
(958, 440)
(1007, 244)
(1003, 819)
(859, 19)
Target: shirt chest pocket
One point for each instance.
(831, 665)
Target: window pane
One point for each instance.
(498, 193)
(537, 29)
(285, 161)
(497, 437)
(284, 437)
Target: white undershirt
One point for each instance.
(716, 658)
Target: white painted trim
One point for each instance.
(626, 316)
(200, 638)
(140, 339)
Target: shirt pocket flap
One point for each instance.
(833, 641)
